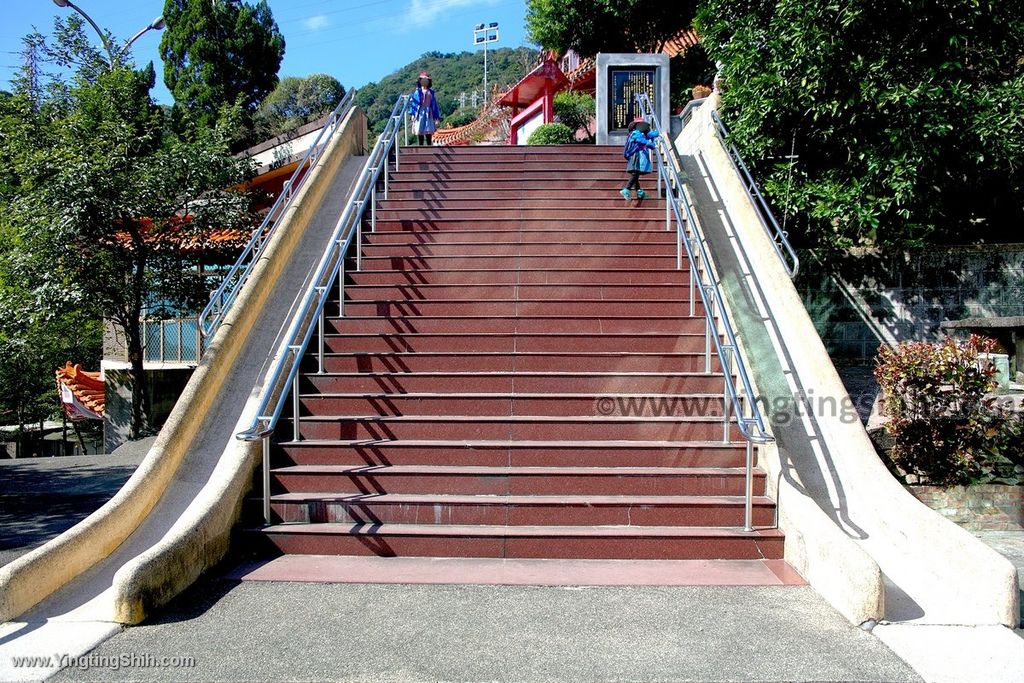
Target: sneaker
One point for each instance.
(625, 194)
(640, 194)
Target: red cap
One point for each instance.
(424, 74)
(639, 119)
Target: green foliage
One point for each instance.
(607, 25)
(551, 134)
(691, 68)
(459, 118)
(943, 428)
(91, 215)
(452, 74)
(297, 101)
(906, 116)
(218, 54)
(576, 110)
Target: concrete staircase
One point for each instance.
(515, 376)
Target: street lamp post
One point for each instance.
(483, 34)
(156, 25)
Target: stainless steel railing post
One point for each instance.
(748, 502)
(320, 335)
(296, 350)
(266, 480)
(726, 378)
(373, 204)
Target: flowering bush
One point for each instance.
(935, 401)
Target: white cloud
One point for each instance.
(317, 22)
(426, 12)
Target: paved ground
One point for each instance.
(42, 497)
(254, 631)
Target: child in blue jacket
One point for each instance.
(637, 150)
(424, 110)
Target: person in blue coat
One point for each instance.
(638, 150)
(424, 110)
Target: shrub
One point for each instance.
(576, 110)
(934, 398)
(551, 134)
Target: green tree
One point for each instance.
(607, 25)
(576, 110)
(297, 101)
(103, 209)
(907, 117)
(218, 53)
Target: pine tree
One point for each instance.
(217, 53)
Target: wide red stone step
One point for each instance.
(486, 203)
(547, 404)
(521, 453)
(524, 276)
(554, 262)
(603, 194)
(607, 184)
(510, 342)
(486, 215)
(326, 426)
(531, 325)
(491, 292)
(514, 177)
(493, 382)
(652, 220)
(556, 235)
(608, 249)
(415, 308)
(347, 361)
(605, 542)
(533, 481)
(565, 510)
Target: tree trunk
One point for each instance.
(140, 388)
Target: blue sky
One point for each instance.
(356, 41)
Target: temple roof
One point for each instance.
(531, 86)
(82, 394)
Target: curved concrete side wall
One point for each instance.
(843, 573)
(825, 466)
(200, 537)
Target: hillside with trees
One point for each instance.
(452, 74)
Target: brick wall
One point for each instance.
(988, 507)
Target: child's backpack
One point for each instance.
(632, 146)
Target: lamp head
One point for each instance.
(61, 3)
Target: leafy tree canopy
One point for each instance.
(296, 101)
(607, 25)
(217, 54)
(452, 75)
(96, 201)
(907, 116)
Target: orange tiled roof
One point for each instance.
(681, 43)
(86, 388)
(172, 237)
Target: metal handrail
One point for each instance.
(717, 323)
(224, 296)
(687, 112)
(283, 379)
(778, 236)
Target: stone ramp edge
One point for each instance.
(200, 537)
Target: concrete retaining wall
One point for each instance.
(876, 297)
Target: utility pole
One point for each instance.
(485, 34)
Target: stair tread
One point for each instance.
(510, 443)
(589, 419)
(484, 470)
(493, 499)
(506, 531)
